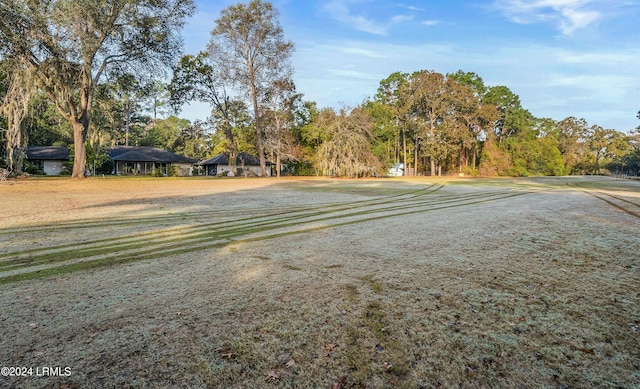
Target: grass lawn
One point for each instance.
(308, 282)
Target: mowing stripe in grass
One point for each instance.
(381, 216)
(217, 233)
(617, 206)
(85, 265)
(101, 222)
(606, 198)
(70, 251)
(193, 235)
(67, 255)
(251, 220)
(213, 239)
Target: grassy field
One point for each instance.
(298, 283)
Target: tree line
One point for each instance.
(457, 124)
(91, 74)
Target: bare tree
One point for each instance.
(248, 43)
(389, 94)
(197, 79)
(278, 116)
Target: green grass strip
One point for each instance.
(175, 250)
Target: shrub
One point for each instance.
(300, 169)
(470, 171)
(104, 164)
(33, 169)
(67, 168)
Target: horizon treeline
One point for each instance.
(59, 86)
(432, 123)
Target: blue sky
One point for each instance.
(562, 57)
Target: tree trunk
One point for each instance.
(80, 131)
(396, 146)
(15, 106)
(473, 166)
(278, 165)
(256, 114)
(126, 122)
(228, 133)
(432, 135)
(16, 140)
(404, 146)
(233, 161)
(80, 152)
(260, 148)
(415, 157)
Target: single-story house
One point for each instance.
(245, 164)
(48, 158)
(132, 160)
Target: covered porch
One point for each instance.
(140, 168)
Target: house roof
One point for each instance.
(146, 154)
(136, 156)
(223, 159)
(48, 153)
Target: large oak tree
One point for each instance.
(70, 45)
(17, 92)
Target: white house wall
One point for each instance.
(253, 170)
(52, 168)
(186, 169)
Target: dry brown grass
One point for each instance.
(322, 283)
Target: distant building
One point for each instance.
(245, 164)
(49, 159)
(134, 160)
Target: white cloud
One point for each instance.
(600, 85)
(600, 58)
(553, 79)
(342, 11)
(401, 18)
(575, 19)
(410, 7)
(430, 23)
(568, 15)
(362, 52)
(339, 10)
(355, 74)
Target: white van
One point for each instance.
(397, 170)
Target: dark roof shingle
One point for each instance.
(48, 153)
(223, 159)
(146, 154)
